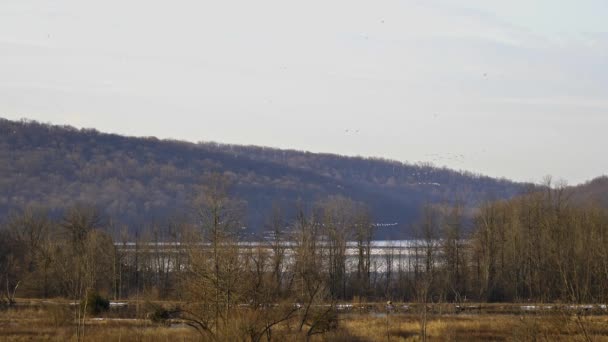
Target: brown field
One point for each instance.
(54, 321)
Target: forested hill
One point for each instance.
(139, 181)
(594, 192)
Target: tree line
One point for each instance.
(539, 247)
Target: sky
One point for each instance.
(514, 89)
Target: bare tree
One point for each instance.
(212, 278)
(363, 234)
(87, 263)
(428, 240)
(278, 245)
(337, 223)
(317, 306)
(453, 253)
(27, 259)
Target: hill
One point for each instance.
(139, 181)
(594, 192)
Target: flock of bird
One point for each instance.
(445, 157)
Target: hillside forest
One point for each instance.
(140, 182)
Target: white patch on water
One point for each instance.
(118, 304)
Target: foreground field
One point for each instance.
(54, 321)
(480, 328)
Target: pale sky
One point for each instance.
(505, 88)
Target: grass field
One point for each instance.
(54, 321)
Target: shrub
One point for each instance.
(160, 315)
(157, 313)
(96, 304)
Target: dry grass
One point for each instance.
(479, 328)
(57, 323)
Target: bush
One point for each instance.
(96, 304)
(160, 315)
(157, 313)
